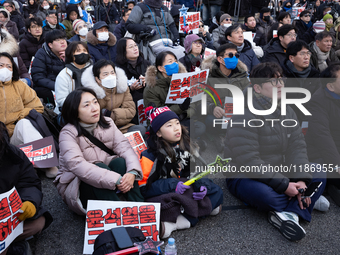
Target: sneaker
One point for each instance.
(216, 211)
(288, 225)
(166, 229)
(322, 204)
(51, 172)
(19, 248)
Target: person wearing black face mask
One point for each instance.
(78, 67)
(264, 22)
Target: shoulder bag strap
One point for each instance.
(97, 142)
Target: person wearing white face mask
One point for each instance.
(225, 22)
(80, 29)
(117, 103)
(101, 42)
(43, 8)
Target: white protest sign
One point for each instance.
(10, 225)
(167, 4)
(296, 12)
(141, 113)
(136, 141)
(209, 52)
(105, 215)
(248, 35)
(189, 22)
(183, 85)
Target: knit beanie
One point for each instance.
(326, 17)
(189, 39)
(75, 23)
(224, 16)
(159, 116)
(319, 26)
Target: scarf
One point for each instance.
(322, 57)
(240, 48)
(88, 127)
(308, 25)
(76, 74)
(267, 102)
(329, 26)
(195, 61)
(299, 74)
(133, 63)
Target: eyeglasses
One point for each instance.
(197, 42)
(201, 25)
(304, 53)
(35, 27)
(275, 81)
(306, 15)
(228, 19)
(133, 46)
(231, 55)
(7, 6)
(292, 35)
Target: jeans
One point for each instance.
(209, 14)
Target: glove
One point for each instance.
(200, 195)
(181, 188)
(106, 112)
(177, 42)
(185, 105)
(29, 211)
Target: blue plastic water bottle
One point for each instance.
(170, 248)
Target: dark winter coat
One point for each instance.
(29, 46)
(301, 27)
(47, 28)
(314, 58)
(120, 30)
(17, 171)
(12, 29)
(98, 50)
(19, 20)
(30, 9)
(274, 52)
(213, 2)
(323, 136)
(45, 68)
(309, 36)
(75, 38)
(248, 56)
(267, 145)
(112, 12)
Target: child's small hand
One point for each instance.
(181, 188)
(126, 183)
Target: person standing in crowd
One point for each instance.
(304, 23)
(47, 63)
(134, 65)
(234, 35)
(265, 21)
(309, 35)
(107, 12)
(32, 40)
(43, 9)
(299, 71)
(89, 171)
(219, 33)
(15, 16)
(322, 138)
(271, 191)
(72, 14)
(322, 52)
(31, 9)
(101, 42)
(80, 29)
(275, 51)
(78, 68)
(210, 9)
(259, 38)
(17, 171)
(120, 29)
(51, 22)
(194, 49)
(7, 24)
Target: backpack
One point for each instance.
(105, 243)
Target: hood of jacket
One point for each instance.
(48, 51)
(151, 74)
(209, 63)
(8, 43)
(8, 15)
(91, 38)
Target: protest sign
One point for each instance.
(141, 113)
(189, 22)
(183, 85)
(167, 4)
(228, 109)
(296, 12)
(136, 141)
(41, 153)
(209, 52)
(105, 215)
(248, 35)
(10, 225)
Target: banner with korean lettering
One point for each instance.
(141, 113)
(296, 12)
(105, 215)
(209, 52)
(167, 4)
(42, 153)
(10, 225)
(228, 110)
(189, 23)
(136, 141)
(183, 85)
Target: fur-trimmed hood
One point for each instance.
(91, 38)
(8, 43)
(89, 81)
(151, 74)
(208, 63)
(8, 15)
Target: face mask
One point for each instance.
(266, 18)
(103, 36)
(81, 58)
(171, 69)
(5, 74)
(109, 82)
(226, 25)
(46, 7)
(231, 63)
(83, 31)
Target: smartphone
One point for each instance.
(312, 188)
(122, 237)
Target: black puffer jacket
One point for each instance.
(29, 46)
(19, 20)
(108, 13)
(17, 171)
(261, 146)
(274, 52)
(323, 136)
(45, 68)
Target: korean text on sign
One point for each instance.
(136, 141)
(105, 215)
(192, 20)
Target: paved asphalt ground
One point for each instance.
(238, 231)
